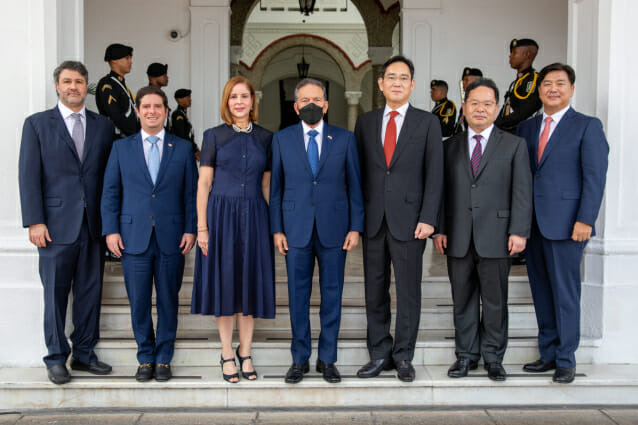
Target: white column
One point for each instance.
(29, 30)
(353, 98)
(601, 32)
(210, 60)
(416, 44)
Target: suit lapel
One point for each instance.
(407, 128)
(562, 127)
(63, 132)
(89, 141)
(378, 139)
(167, 153)
(490, 148)
(299, 147)
(138, 153)
(326, 146)
(536, 130)
(465, 155)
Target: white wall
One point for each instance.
(477, 34)
(145, 26)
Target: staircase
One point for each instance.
(198, 382)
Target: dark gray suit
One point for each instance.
(478, 215)
(396, 198)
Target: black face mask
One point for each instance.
(311, 114)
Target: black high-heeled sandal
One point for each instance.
(228, 378)
(246, 375)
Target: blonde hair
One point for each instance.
(225, 112)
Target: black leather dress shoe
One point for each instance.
(295, 373)
(144, 372)
(96, 368)
(564, 375)
(163, 372)
(461, 367)
(329, 371)
(495, 371)
(374, 367)
(405, 371)
(58, 374)
(539, 366)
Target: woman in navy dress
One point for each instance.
(234, 269)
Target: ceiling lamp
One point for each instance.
(303, 66)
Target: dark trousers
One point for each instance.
(477, 280)
(140, 270)
(554, 276)
(300, 264)
(379, 252)
(78, 267)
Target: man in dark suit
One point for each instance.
(568, 157)
(316, 211)
(62, 159)
(485, 217)
(149, 216)
(402, 178)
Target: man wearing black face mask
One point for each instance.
(316, 211)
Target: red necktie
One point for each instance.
(542, 141)
(390, 140)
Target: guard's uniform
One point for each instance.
(116, 101)
(181, 127)
(445, 111)
(521, 101)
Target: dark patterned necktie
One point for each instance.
(477, 153)
(77, 134)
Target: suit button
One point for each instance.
(315, 183)
(537, 175)
(473, 186)
(312, 204)
(242, 185)
(153, 196)
(81, 198)
(387, 172)
(150, 217)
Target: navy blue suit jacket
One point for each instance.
(570, 179)
(132, 206)
(332, 199)
(56, 188)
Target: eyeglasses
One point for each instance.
(476, 104)
(393, 78)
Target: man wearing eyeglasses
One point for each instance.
(485, 218)
(401, 161)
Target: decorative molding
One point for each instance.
(336, 46)
(353, 97)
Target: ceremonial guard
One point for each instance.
(180, 125)
(112, 96)
(157, 74)
(444, 109)
(521, 100)
(469, 75)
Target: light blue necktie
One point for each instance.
(313, 151)
(153, 157)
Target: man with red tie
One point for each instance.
(568, 157)
(402, 179)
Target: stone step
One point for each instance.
(272, 348)
(203, 387)
(432, 287)
(435, 314)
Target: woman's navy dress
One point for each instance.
(238, 274)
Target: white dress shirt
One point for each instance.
(147, 145)
(69, 120)
(485, 134)
(318, 138)
(398, 120)
(556, 117)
